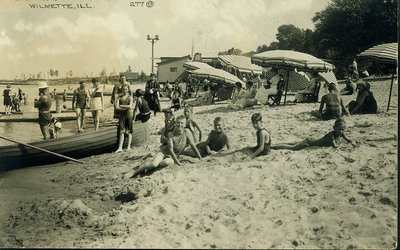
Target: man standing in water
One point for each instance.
(44, 105)
(80, 102)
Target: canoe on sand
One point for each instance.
(76, 146)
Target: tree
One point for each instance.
(129, 70)
(290, 37)
(348, 27)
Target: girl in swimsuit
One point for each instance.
(263, 137)
(176, 143)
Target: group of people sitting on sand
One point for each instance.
(181, 132)
(365, 102)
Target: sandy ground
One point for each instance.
(342, 198)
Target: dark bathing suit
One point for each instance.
(267, 145)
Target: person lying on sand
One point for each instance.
(331, 139)
(177, 142)
(191, 124)
(169, 122)
(263, 138)
(334, 105)
(215, 143)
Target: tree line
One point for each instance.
(343, 29)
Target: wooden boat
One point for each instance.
(76, 146)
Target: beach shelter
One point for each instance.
(288, 60)
(204, 70)
(240, 64)
(384, 53)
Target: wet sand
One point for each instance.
(313, 198)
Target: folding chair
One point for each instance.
(276, 99)
(313, 97)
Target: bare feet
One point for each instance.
(118, 150)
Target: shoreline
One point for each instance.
(312, 198)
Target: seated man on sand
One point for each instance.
(247, 99)
(334, 105)
(176, 143)
(331, 139)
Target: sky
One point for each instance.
(87, 36)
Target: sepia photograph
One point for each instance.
(199, 124)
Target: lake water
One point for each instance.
(30, 131)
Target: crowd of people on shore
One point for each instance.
(183, 131)
(12, 102)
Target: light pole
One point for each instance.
(153, 40)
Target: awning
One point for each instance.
(196, 65)
(329, 77)
(241, 63)
(215, 74)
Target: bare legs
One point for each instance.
(121, 142)
(8, 110)
(96, 118)
(159, 160)
(45, 131)
(291, 145)
(80, 118)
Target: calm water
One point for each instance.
(30, 131)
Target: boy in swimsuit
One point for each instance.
(176, 143)
(169, 122)
(331, 139)
(191, 124)
(216, 141)
(263, 138)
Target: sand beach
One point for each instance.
(319, 198)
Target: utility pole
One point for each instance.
(153, 40)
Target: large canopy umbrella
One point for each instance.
(290, 60)
(384, 53)
(216, 74)
(240, 63)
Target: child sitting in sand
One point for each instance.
(176, 143)
(176, 101)
(216, 141)
(331, 139)
(169, 122)
(191, 124)
(263, 138)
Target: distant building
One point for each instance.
(131, 77)
(210, 60)
(171, 68)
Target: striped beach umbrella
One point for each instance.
(290, 60)
(383, 53)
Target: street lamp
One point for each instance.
(153, 40)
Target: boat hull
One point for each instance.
(76, 146)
